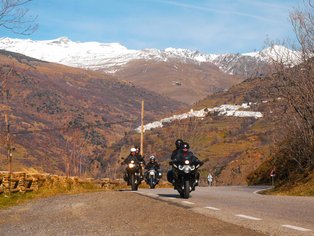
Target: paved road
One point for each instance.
(110, 213)
(274, 215)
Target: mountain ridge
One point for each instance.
(110, 57)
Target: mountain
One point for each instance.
(184, 75)
(110, 57)
(52, 105)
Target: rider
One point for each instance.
(153, 164)
(131, 156)
(189, 155)
(175, 153)
(140, 159)
(184, 152)
(138, 154)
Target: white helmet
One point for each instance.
(133, 149)
(152, 158)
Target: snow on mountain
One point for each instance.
(110, 57)
(223, 110)
(280, 53)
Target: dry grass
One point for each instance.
(304, 187)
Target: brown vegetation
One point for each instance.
(293, 154)
(54, 109)
(184, 82)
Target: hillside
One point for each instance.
(184, 82)
(51, 106)
(232, 147)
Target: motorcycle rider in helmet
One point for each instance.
(153, 164)
(175, 152)
(140, 159)
(185, 152)
(178, 143)
(132, 156)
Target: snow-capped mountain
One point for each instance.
(109, 57)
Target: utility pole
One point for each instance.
(142, 129)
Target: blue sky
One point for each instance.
(210, 26)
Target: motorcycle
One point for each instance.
(133, 176)
(185, 174)
(152, 177)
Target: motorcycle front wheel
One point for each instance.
(151, 183)
(186, 190)
(133, 184)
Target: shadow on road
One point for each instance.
(169, 195)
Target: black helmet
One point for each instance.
(185, 146)
(178, 143)
(137, 149)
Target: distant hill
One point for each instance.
(183, 82)
(49, 101)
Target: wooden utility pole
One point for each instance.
(142, 129)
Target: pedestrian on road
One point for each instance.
(209, 179)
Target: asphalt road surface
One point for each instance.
(110, 213)
(243, 206)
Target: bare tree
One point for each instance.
(293, 74)
(76, 148)
(14, 17)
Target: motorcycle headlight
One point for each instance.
(187, 169)
(132, 161)
(131, 165)
(186, 162)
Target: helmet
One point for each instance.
(133, 149)
(185, 146)
(178, 143)
(137, 148)
(152, 158)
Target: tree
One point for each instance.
(16, 18)
(293, 74)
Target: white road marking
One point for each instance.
(172, 198)
(260, 190)
(296, 228)
(248, 217)
(212, 208)
(187, 202)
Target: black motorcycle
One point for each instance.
(152, 177)
(133, 176)
(185, 174)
